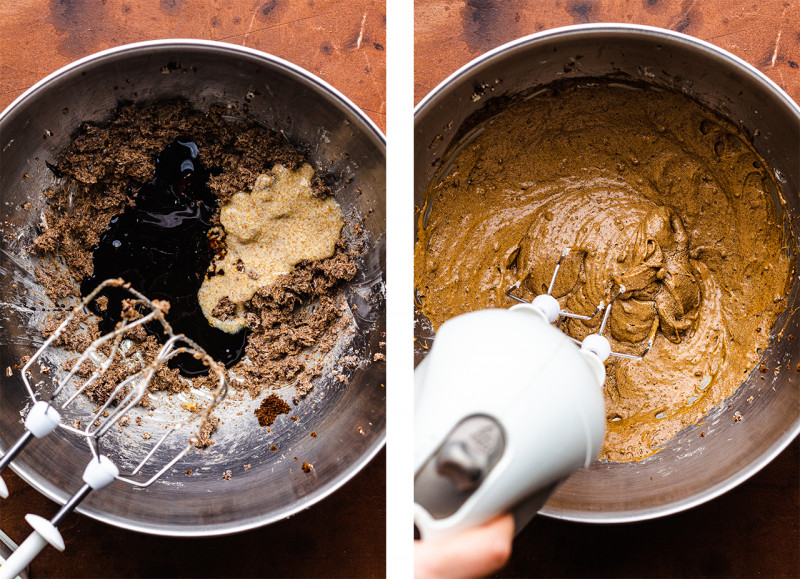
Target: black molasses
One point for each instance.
(161, 246)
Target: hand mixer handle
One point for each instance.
(515, 390)
(99, 473)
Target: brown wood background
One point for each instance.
(751, 531)
(450, 33)
(341, 41)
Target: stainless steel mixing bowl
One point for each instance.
(348, 419)
(689, 470)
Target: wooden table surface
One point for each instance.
(450, 33)
(751, 531)
(342, 42)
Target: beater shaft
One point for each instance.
(15, 449)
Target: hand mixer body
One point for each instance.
(506, 407)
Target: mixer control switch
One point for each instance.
(464, 468)
(459, 467)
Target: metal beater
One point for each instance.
(108, 351)
(550, 306)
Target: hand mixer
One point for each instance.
(506, 407)
(107, 351)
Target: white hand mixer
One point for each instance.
(103, 353)
(506, 408)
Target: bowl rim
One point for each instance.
(251, 522)
(202, 44)
(711, 50)
(605, 27)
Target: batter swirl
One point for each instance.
(649, 190)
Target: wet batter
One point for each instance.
(649, 190)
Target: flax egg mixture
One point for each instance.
(649, 190)
(267, 231)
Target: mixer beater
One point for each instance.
(596, 342)
(109, 351)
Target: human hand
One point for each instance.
(473, 553)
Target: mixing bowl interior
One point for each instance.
(689, 469)
(348, 418)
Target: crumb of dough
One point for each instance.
(272, 406)
(204, 436)
(224, 310)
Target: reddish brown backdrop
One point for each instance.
(341, 41)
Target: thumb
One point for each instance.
(473, 553)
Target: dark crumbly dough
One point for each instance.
(105, 164)
(283, 327)
(80, 333)
(56, 284)
(77, 335)
(225, 309)
(270, 408)
(101, 171)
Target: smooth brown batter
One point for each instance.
(649, 190)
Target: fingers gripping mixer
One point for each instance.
(506, 407)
